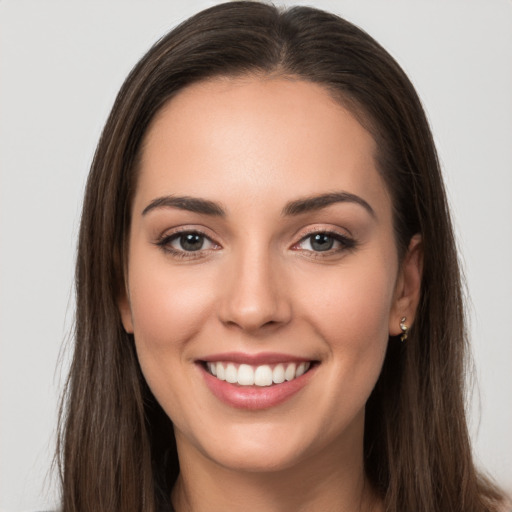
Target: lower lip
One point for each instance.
(255, 397)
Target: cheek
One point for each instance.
(352, 302)
(350, 311)
(350, 315)
(169, 306)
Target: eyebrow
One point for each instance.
(297, 207)
(191, 204)
(314, 203)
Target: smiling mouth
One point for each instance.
(257, 375)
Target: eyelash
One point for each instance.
(165, 244)
(346, 243)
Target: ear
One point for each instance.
(125, 310)
(408, 287)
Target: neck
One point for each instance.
(331, 481)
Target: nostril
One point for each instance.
(255, 325)
(255, 298)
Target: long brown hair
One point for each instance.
(117, 450)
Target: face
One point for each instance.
(263, 280)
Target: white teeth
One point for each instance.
(245, 375)
(300, 369)
(278, 374)
(263, 375)
(231, 373)
(289, 373)
(221, 374)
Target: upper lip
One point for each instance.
(254, 359)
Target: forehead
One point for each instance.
(256, 137)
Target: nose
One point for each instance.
(255, 295)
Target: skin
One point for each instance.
(254, 144)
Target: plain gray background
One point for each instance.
(61, 64)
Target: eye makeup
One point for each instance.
(186, 243)
(193, 243)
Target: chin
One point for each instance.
(249, 447)
(253, 459)
(270, 446)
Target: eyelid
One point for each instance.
(177, 237)
(346, 240)
(327, 229)
(167, 237)
(184, 229)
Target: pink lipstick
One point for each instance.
(255, 381)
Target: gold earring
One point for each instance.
(405, 329)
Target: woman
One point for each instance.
(269, 313)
